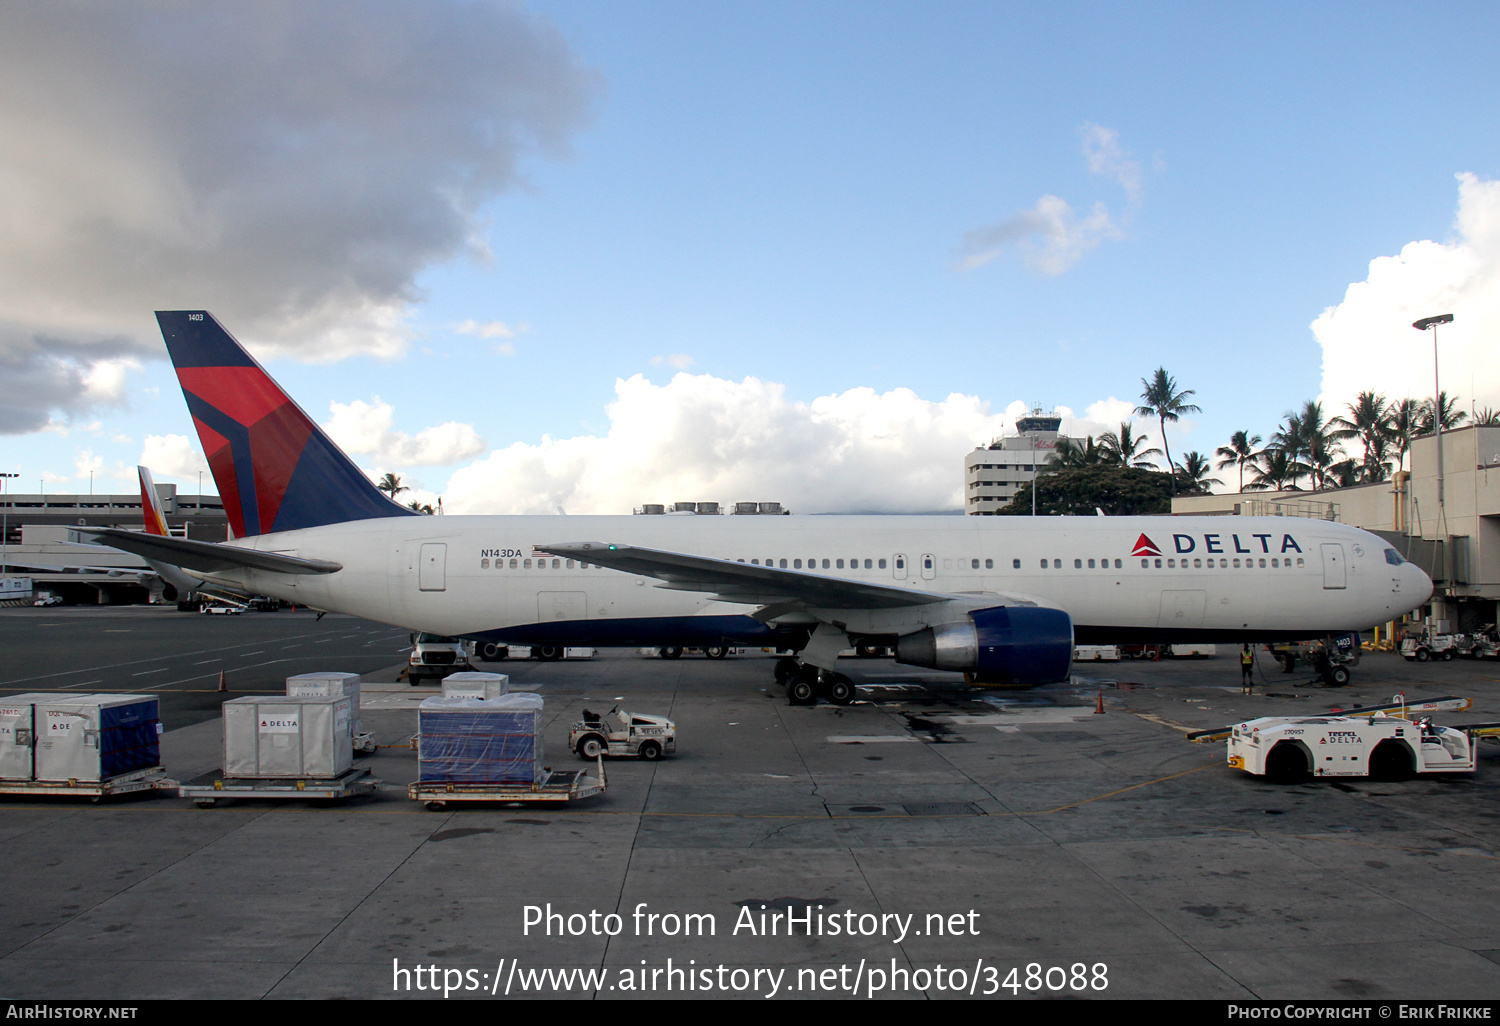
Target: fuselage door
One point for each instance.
(929, 566)
(898, 566)
(432, 567)
(1333, 565)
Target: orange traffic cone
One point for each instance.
(222, 685)
(1099, 705)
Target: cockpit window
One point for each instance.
(1393, 557)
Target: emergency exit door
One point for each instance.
(432, 567)
(1333, 565)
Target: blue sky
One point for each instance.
(848, 196)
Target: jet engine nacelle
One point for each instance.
(1018, 646)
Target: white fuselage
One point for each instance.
(1119, 578)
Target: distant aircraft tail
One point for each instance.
(156, 519)
(275, 469)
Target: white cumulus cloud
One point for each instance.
(1368, 341)
(173, 456)
(704, 438)
(366, 429)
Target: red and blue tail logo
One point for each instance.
(275, 469)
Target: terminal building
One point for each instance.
(1457, 543)
(37, 548)
(993, 474)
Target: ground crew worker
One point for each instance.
(1247, 666)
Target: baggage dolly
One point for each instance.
(152, 778)
(207, 789)
(557, 788)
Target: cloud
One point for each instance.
(1368, 341)
(292, 166)
(705, 438)
(1101, 147)
(172, 456)
(677, 361)
(365, 429)
(1050, 237)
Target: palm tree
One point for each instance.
(1487, 417)
(1288, 440)
(1161, 399)
(1123, 449)
(1194, 473)
(1452, 417)
(420, 507)
(1070, 453)
(1274, 471)
(1369, 420)
(391, 485)
(1405, 416)
(1239, 452)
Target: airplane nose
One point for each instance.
(1421, 584)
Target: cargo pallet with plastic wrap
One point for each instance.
(556, 788)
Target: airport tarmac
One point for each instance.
(980, 831)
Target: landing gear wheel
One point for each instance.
(650, 751)
(591, 746)
(800, 690)
(786, 669)
(840, 689)
(716, 651)
(1338, 676)
(670, 652)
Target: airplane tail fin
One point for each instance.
(275, 468)
(156, 519)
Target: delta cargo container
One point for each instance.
(96, 737)
(271, 736)
(475, 685)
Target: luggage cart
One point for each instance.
(206, 790)
(153, 778)
(557, 788)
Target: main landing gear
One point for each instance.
(805, 684)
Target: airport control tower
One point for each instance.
(993, 474)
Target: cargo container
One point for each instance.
(333, 684)
(272, 736)
(480, 741)
(93, 738)
(475, 685)
(18, 734)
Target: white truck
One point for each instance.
(434, 656)
(618, 732)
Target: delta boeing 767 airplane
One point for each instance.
(1002, 599)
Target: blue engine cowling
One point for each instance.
(1014, 646)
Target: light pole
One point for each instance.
(1437, 397)
(1437, 427)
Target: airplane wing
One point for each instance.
(744, 582)
(207, 557)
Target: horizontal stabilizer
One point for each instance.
(207, 557)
